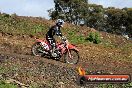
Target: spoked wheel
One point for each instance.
(37, 49)
(73, 59)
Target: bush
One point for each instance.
(91, 37)
(94, 37)
(5, 15)
(97, 39)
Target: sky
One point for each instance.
(38, 8)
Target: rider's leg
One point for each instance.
(49, 39)
(54, 51)
(52, 43)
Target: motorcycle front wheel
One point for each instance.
(74, 57)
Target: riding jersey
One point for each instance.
(54, 30)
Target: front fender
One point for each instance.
(71, 46)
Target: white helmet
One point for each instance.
(60, 22)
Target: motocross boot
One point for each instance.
(53, 53)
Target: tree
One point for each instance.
(95, 17)
(69, 10)
(80, 12)
(129, 21)
(116, 20)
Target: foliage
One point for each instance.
(80, 12)
(91, 37)
(97, 39)
(129, 21)
(116, 20)
(94, 37)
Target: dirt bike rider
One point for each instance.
(54, 30)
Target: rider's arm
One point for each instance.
(58, 32)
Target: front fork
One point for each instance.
(69, 54)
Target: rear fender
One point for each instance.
(38, 40)
(42, 42)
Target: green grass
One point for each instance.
(77, 39)
(3, 84)
(72, 36)
(14, 25)
(125, 85)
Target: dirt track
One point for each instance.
(15, 54)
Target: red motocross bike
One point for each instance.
(65, 50)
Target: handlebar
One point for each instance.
(64, 40)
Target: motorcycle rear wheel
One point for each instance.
(74, 59)
(36, 49)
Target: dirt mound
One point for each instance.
(20, 65)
